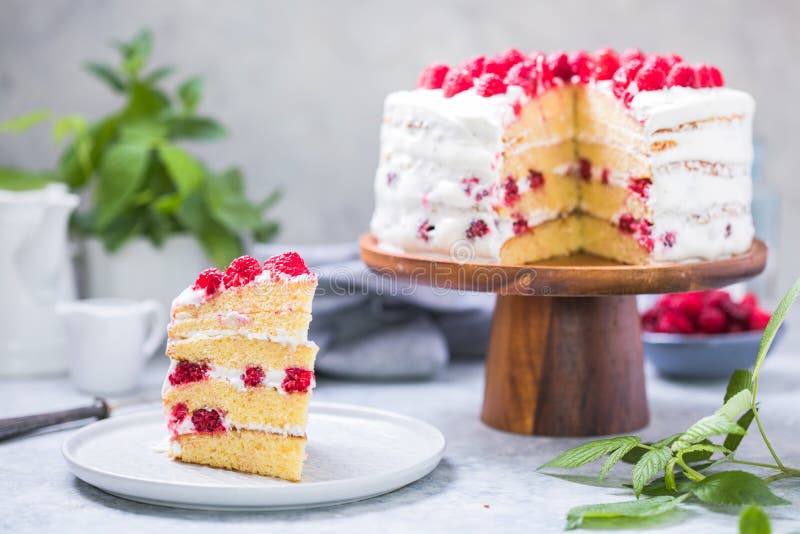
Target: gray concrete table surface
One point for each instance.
(487, 480)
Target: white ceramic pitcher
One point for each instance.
(35, 274)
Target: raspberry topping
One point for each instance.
(289, 263)
(650, 78)
(535, 179)
(253, 376)
(474, 66)
(523, 74)
(545, 73)
(631, 54)
(668, 239)
(424, 229)
(210, 280)
(186, 372)
(702, 75)
(520, 225)
(477, 228)
(297, 380)
(207, 421)
(510, 191)
(640, 186)
(501, 63)
(489, 85)
(432, 76)
(716, 76)
(242, 271)
(582, 65)
(673, 58)
(681, 75)
(627, 223)
(585, 169)
(559, 64)
(456, 81)
(606, 63)
(624, 75)
(657, 61)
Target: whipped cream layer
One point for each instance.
(273, 378)
(187, 427)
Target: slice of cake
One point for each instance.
(242, 369)
(516, 158)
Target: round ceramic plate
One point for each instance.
(354, 453)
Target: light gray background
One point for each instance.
(300, 84)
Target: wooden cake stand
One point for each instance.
(565, 355)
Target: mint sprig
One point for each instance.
(686, 460)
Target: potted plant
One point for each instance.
(153, 214)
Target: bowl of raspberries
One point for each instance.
(703, 334)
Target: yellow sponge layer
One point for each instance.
(237, 352)
(603, 238)
(245, 450)
(559, 237)
(271, 323)
(607, 201)
(254, 407)
(559, 194)
(293, 294)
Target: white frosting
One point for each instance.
(187, 427)
(699, 151)
(298, 338)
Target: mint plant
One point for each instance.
(141, 181)
(683, 466)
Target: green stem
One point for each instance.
(754, 464)
(763, 433)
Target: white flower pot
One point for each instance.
(141, 271)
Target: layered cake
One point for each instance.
(242, 369)
(515, 158)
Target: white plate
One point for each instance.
(354, 453)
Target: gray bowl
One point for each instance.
(703, 355)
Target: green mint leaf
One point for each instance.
(144, 102)
(753, 520)
(711, 425)
(195, 128)
(270, 200)
(636, 454)
(122, 171)
(156, 75)
(669, 475)
(732, 441)
(772, 326)
(737, 404)
(740, 379)
(648, 467)
(616, 456)
(69, 126)
(190, 92)
(631, 509)
(185, 171)
(735, 487)
(107, 75)
(122, 229)
(587, 453)
(143, 132)
(23, 123)
(12, 179)
(136, 52)
(266, 232)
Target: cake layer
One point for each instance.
(606, 201)
(275, 323)
(539, 193)
(547, 119)
(605, 239)
(559, 237)
(254, 408)
(244, 450)
(235, 351)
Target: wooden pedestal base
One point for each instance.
(565, 366)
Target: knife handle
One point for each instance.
(15, 426)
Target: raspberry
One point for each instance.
(688, 304)
(535, 179)
(758, 319)
(627, 223)
(289, 263)
(640, 186)
(424, 229)
(469, 183)
(520, 225)
(432, 76)
(179, 412)
(390, 178)
(668, 239)
(474, 66)
(253, 376)
(186, 372)
(477, 228)
(490, 85)
(242, 271)
(207, 421)
(606, 63)
(523, 74)
(545, 72)
(605, 175)
(717, 298)
(501, 63)
(511, 191)
(702, 75)
(210, 280)
(672, 322)
(582, 65)
(631, 54)
(646, 242)
(660, 62)
(456, 81)
(297, 380)
(681, 75)
(650, 78)
(650, 319)
(559, 65)
(712, 321)
(716, 76)
(673, 58)
(585, 169)
(728, 230)
(624, 75)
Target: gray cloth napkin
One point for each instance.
(372, 327)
